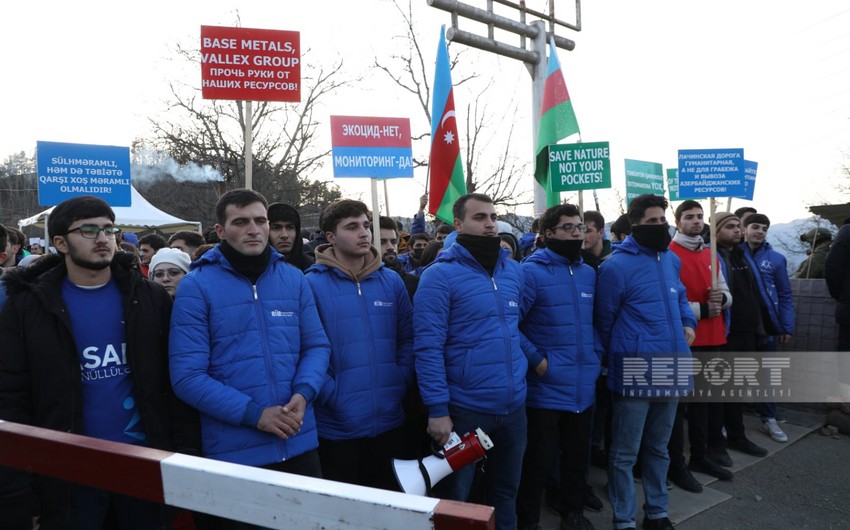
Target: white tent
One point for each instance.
(142, 215)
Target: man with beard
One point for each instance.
(85, 351)
(642, 313)
(469, 361)
(745, 320)
(285, 235)
(389, 253)
(557, 308)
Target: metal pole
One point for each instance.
(47, 241)
(386, 198)
(712, 230)
(376, 218)
(538, 83)
(249, 145)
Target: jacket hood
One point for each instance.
(20, 279)
(326, 257)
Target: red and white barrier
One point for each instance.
(258, 496)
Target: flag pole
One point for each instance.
(712, 230)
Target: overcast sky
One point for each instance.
(769, 76)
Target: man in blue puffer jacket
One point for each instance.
(368, 317)
(646, 326)
(247, 347)
(469, 362)
(771, 274)
(557, 309)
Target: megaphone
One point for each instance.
(417, 477)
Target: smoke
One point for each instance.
(151, 165)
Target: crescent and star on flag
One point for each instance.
(448, 137)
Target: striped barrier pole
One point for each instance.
(243, 493)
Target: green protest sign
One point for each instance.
(584, 166)
(643, 177)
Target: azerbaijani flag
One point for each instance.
(446, 167)
(557, 121)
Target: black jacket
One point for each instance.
(837, 266)
(40, 381)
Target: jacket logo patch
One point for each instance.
(279, 313)
(512, 303)
(673, 290)
(379, 303)
(587, 295)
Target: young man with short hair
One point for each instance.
(85, 351)
(642, 313)
(594, 239)
(389, 253)
(148, 246)
(777, 302)
(367, 315)
(187, 241)
(557, 309)
(705, 420)
(469, 362)
(247, 347)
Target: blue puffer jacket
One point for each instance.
(370, 328)
(237, 348)
(466, 335)
(771, 272)
(557, 309)
(641, 308)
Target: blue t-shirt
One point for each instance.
(97, 321)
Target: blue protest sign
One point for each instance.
(750, 170)
(707, 173)
(72, 170)
(372, 147)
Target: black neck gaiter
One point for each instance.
(485, 249)
(249, 266)
(656, 237)
(566, 248)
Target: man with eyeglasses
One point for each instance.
(646, 326)
(557, 320)
(85, 351)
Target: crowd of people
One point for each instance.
(330, 357)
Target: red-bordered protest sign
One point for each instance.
(250, 64)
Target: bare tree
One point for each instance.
(18, 188)
(498, 176)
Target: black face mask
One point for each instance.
(485, 249)
(656, 237)
(567, 248)
(417, 253)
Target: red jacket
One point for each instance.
(696, 277)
